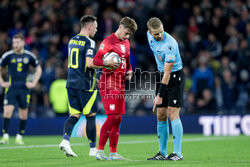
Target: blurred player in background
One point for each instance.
(112, 85)
(169, 93)
(17, 89)
(81, 84)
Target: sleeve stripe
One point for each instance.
(30, 53)
(7, 54)
(92, 43)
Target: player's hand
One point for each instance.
(111, 63)
(154, 107)
(30, 85)
(129, 75)
(5, 84)
(158, 100)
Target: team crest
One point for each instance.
(25, 60)
(123, 48)
(112, 107)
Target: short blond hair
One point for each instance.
(154, 23)
(129, 23)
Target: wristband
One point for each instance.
(162, 89)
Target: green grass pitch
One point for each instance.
(197, 150)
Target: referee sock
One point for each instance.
(177, 130)
(91, 131)
(114, 134)
(68, 127)
(6, 125)
(105, 131)
(22, 125)
(163, 133)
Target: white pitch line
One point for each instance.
(122, 142)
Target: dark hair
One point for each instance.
(87, 19)
(129, 23)
(20, 36)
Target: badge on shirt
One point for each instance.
(90, 52)
(123, 48)
(112, 107)
(102, 46)
(25, 60)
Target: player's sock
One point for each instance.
(22, 125)
(162, 131)
(177, 130)
(91, 131)
(105, 131)
(6, 125)
(114, 135)
(68, 127)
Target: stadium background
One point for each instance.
(213, 37)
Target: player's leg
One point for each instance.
(114, 134)
(9, 106)
(106, 127)
(75, 111)
(23, 98)
(175, 101)
(119, 109)
(163, 134)
(162, 128)
(177, 131)
(113, 139)
(8, 111)
(23, 115)
(89, 110)
(91, 133)
(104, 135)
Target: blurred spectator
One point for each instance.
(144, 107)
(213, 46)
(207, 103)
(189, 105)
(229, 92)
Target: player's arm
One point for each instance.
(104, 48)
(129, 71)
(90, 63)
(90, 53)
(3, 62)
(38, 73)
(168, 65)
(2, 82)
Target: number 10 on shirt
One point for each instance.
(73, 55)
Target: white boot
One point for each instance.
(5, 139)
(19, 139)
(65, 147)
(92, 152)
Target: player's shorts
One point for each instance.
(113, 101)
(18, 96)
(82, 101)
(173, 95)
